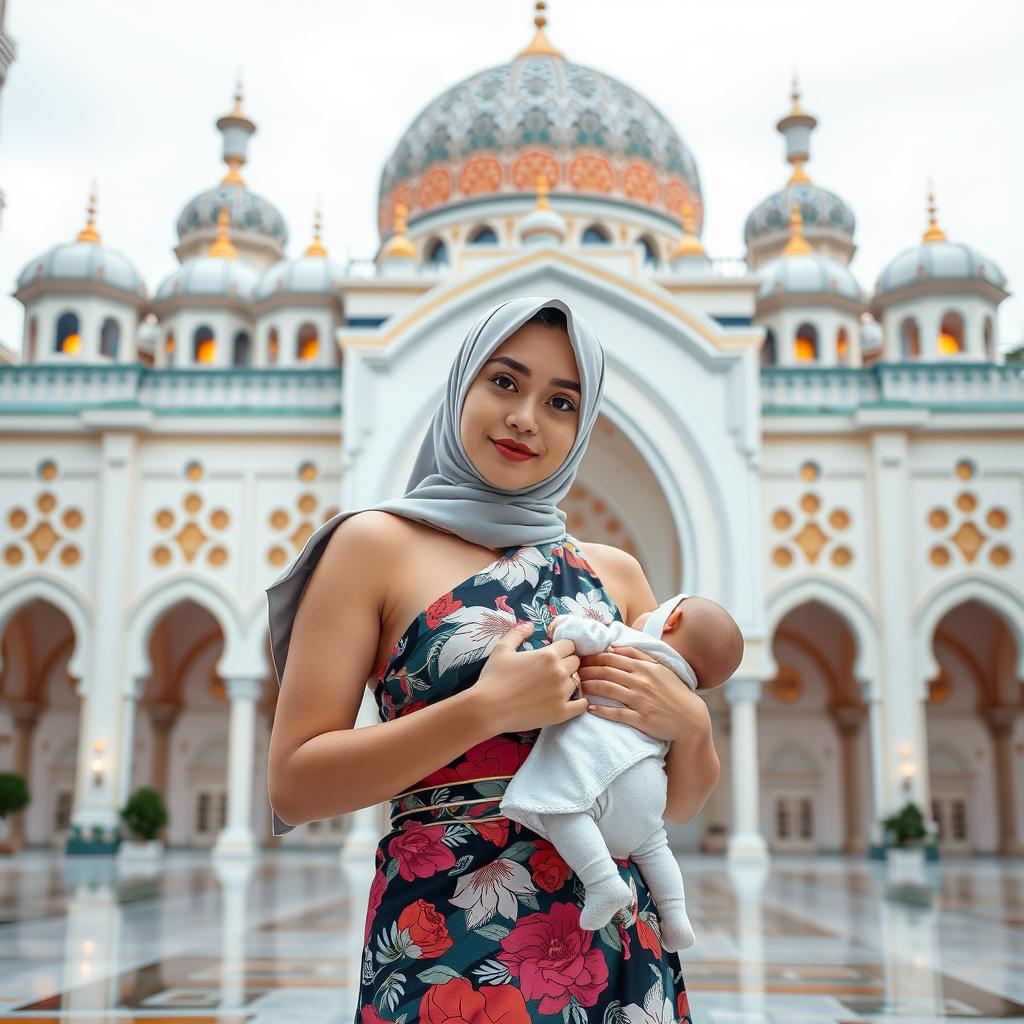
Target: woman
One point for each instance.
(470, 917)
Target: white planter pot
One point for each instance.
(906, 865)
(141, 851)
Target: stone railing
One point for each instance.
(48, 388)
(839, 389)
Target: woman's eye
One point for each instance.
(567, 408)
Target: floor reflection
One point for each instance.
(807, 941)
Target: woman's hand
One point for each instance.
(657, 701)
(522, 690)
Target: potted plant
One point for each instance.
(905, 835)
(144, 815)
(14, 796)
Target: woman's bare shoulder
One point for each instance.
(623, 577)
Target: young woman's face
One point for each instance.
(526, 394)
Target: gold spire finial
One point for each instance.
(934, 232)
(797, 244)
(222, 245)
(540, 45)
(399, 244)
(237, 111)
(316, 247)
(542, 192)
(89, 232)
(689, 244)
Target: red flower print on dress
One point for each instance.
(647, 935)
(498, 755)
(427, 929)
(443, 606)
(410, 708)
(493, 831)
(368, 1015)
(553, 959)
(549, 869)
(420, 852)
(457, 1002)
(377, 887)
(683, 1004)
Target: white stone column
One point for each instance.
(236, 838)
(746, 841)
(848, 721)
(715, 838)
(1000, 724)
(901, 729)
(100, 772)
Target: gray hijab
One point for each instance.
(445, 489)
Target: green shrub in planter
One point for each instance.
(14, 793)
(145, 814)
(906, 827)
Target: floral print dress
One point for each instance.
(473, 917)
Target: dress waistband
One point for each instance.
(466, 800)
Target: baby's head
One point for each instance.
(703, 632)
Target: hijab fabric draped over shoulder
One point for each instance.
(445, 490)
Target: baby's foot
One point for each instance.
(676, 930)
(603, 901)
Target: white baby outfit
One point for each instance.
(596, 788)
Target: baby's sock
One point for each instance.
(581, 845)
(676, 930)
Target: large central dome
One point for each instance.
(495, 132)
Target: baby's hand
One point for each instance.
(554, 622)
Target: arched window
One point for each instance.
(842, 346)
(110, 336)
(951, 334)
(595, 235)
(437, 253)
(482, 235)
(33, 338)
(910, 339)
(307, 344)
(204, 348)
(68, 340)
(241, 350)
(169, 348)
(648, 250)
(768, 357)
(805, 347)
(990, 340)
(273, 347)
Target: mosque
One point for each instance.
(839, 467)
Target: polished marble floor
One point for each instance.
(808, 941)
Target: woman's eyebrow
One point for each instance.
(525, 371)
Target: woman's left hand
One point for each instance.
(657, 701)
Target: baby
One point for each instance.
(596, 788)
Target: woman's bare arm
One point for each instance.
(319, 764)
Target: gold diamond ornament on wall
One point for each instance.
(298, 525)
(810, 537)
(967, 537)
(46, 531)
(186, 532)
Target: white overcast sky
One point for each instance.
(127, 92)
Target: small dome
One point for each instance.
(86, 262)
(542, 224)
(938, 261)
(807, 274)
(820, 209)
(209, 276)
(248, 212)
(307, 275)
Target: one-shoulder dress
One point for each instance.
(471, 916)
